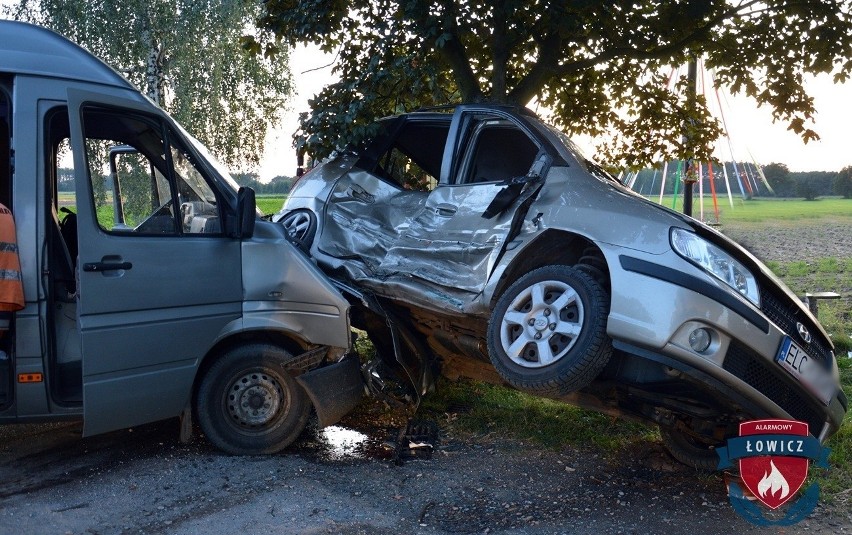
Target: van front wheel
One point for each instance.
(248, 404)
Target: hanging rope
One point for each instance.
(730, 146)
(760, 172)
(677, 182)
(713, 191)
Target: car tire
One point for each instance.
(249, 404)
(301, 227)
(547, 333)
(689, 450)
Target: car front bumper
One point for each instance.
(658, 300)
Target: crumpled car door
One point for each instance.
(364, 216)
(458, 237)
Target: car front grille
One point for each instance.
(751, 368)
(786, 316)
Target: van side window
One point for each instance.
(143, 181)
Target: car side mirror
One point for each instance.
(246, 212)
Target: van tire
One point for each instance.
(248, 404)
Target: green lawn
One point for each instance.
(270, 204)
(768, 209)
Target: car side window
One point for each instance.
(143, 182)
(499, 151)
(414, 159)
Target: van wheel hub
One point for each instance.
(254, 399)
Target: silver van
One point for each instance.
(152, 288)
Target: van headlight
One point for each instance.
(716, 262)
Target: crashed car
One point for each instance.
(480, 242)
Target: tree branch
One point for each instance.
(541, 72)
(547, 66)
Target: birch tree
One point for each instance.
(187, 56)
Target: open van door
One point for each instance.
(157, 285)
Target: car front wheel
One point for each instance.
(248, 403)
(547, 333)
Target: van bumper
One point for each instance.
(335, 389)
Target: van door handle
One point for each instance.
(106, 266)
(446, 210)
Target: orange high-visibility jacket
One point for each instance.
(11, 287)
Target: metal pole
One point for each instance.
(692, 77)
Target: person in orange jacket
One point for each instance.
(11, 285)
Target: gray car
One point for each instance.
(480, 242)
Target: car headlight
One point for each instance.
(716, 262)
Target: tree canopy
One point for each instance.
(186, 55)
(601, 68)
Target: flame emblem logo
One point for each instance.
(772, 482)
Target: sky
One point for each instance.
(751, 130)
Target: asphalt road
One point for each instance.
(343, 481)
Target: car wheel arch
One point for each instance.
(553, 247)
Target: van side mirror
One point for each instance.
(246, 212)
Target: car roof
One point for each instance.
(29, 49)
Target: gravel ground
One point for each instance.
(342, 481)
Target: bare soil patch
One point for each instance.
(795, 240)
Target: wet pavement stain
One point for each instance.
(336, 444)
(343, 444)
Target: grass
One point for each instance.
(836, 483)
(770, 209)
(270, 203)
(483, 408)
(824, 274)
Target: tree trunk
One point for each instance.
(154, 75)
(500, 49)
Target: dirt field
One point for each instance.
(795, 240)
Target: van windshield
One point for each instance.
(219, 167)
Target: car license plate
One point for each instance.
(810, 373)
